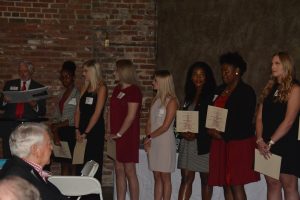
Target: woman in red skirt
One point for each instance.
(232, 151)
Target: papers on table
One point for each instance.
(216, 118)
(79, 151)
(187, 121)
(26, 95)
(111, 149)
(62, 151)
(269, 167)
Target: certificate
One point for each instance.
(26, 95)
(269, 167)
(187, 121)
(216, 118)
(111, 149)
(79, 151)
(62, 151)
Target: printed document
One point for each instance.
(187, 121)
(216, 118)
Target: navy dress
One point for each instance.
(288, 147)
(95, 138)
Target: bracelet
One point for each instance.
(119, 135)
(271, 142)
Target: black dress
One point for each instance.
(288, 147)
(95, 138)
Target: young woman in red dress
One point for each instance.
(125, 106)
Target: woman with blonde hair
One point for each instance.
(125, 107)
(89, 121)
(160, 142)
(277, 124)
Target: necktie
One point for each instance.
(20, 106)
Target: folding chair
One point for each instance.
(77, 185)
(90, 168)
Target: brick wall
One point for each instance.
(48, 32)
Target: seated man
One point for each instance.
(16, 188)
(16, 113)
(31, 148)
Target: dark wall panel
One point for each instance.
(202, 30)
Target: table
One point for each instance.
(254, 191)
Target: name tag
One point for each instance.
(161, 112)
(215, 97)
(121, 95)
(276, 93)
(72, 102)
(13, 88)
(89, 100)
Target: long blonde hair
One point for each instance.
(95, 74)
(166, 87)
(286, 83)
(126, 71)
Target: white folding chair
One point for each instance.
(90, 168)
(77, 185)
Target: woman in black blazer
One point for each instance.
(232, 151)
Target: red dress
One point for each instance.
(127, 147)
(231, 162)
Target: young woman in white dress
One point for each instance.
(160, 142)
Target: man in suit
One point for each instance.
(31, 148)
(16, 113)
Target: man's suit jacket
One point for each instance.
(29, 112)
(18, 167)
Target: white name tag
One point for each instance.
(121, 95)
(72, 102)
(89, 100)
(215, 97)
(13, 88)
(276, 93)
(161, 112)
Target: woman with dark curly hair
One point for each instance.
(194, 148)
(277, 124)
(232, 151)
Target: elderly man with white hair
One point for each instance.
(31, 148)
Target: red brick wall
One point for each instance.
(48, 32)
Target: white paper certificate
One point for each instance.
(216, 118)
(111, 149)
(79, 151)
(269, 167)
(26, 95)
(187, 121)
(62, 151)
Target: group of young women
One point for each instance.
(222, 158)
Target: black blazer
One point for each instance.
(241, 108)
(29, 112)
(18, 167)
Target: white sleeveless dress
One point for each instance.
(162, 153)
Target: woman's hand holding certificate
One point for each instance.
(214, 134)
